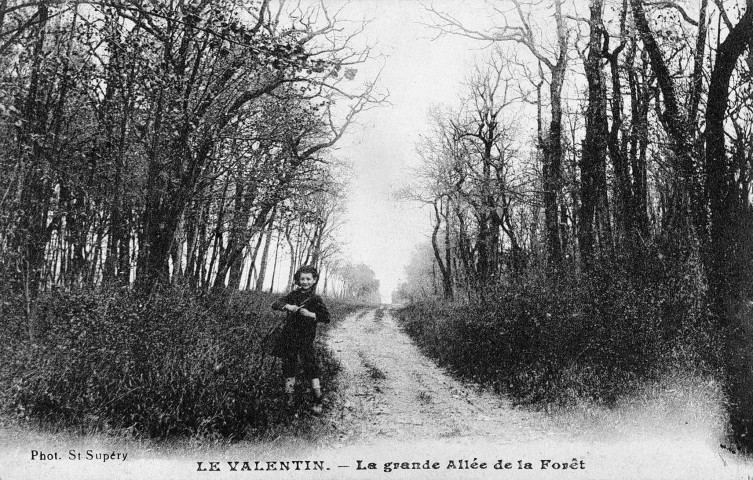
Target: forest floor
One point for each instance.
(395, 405)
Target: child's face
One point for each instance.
(306, 281)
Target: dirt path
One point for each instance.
(397, 404)
(390, 389)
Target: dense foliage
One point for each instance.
(595, 337)
(173, 364)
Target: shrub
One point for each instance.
(173, 364)
(564, 338)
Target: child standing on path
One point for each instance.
(304, 310)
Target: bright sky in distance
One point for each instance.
(418, 72)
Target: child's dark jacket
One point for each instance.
(299, 331)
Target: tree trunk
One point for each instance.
(32, 233)
(723, 266)
(686, 210)
(640, 99)
(263, 264)
(445, 272)
(552, 168)
(594, 144)
(449, 286)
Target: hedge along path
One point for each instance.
(389, 389)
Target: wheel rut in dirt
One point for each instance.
(389, 389)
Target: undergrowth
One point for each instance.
(175, 364)
(561, 341)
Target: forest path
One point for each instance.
(398, 405)
(389, 389)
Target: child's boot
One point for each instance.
(316, 408)
(289, 391)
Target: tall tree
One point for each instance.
(725, 228)
(550, 141)
(687, 199)
(593, 158)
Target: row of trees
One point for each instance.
(354, 281)
(629, 149)
(641, 153)
(179, 141)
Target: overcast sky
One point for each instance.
(418, 72)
